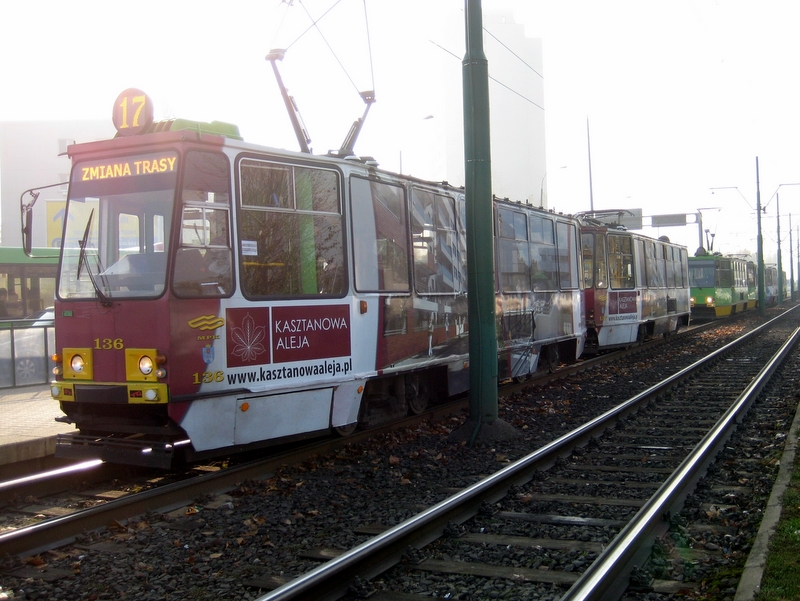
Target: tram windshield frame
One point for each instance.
(118, 221)
(702, 274)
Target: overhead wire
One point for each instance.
(369, 47)
(313, 22)
(513, 53)
(278, 29)
(494, 79)
(315, 25)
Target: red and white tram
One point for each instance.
(635, 287)
(214, 295)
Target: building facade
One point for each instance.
(33, 154)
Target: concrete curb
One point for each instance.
(750, 583)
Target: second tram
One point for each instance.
(635, 287)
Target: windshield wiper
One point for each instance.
(82, 244)
(84, 259)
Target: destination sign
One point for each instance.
(126, 167)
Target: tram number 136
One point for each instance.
(207, 377)
(108, 344)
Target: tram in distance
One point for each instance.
(635, 287)
(721, 286)
(771, 287)
(216, 296)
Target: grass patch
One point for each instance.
(781, 581)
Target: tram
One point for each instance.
(635, 287)
(721, 286)
(771, 284)
(215, 295)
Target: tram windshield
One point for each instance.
(118, 218)
(701, 274)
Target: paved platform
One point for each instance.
(28, 429)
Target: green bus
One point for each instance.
(27, 331)
(27, 284)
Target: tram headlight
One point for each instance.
(146, 365)
(710, 301)
(77, 364)
(142, 364)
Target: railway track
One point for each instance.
(64, 529)
(632, 481)
(65, 490)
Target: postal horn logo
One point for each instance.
(206, 322)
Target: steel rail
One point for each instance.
(63, 529)
(607, 577)
(331, 580)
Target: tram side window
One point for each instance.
(684, 267)
(594, 261)
(290, 231)
(620, 262)
(600, 263)
(544, 260)
(513, 252)
(669, 262)
(653, 264)
(751, 275)
(677, 267)
(203, 260)
(683, 282)
(438, 266)
(587, 249)
(380, 236)
(567, 255)
(741, 278)
(724, 275)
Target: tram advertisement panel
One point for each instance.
(260, 335)
(622, 303)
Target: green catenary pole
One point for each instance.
(480, 247)
(762, 297)
(781, 283)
